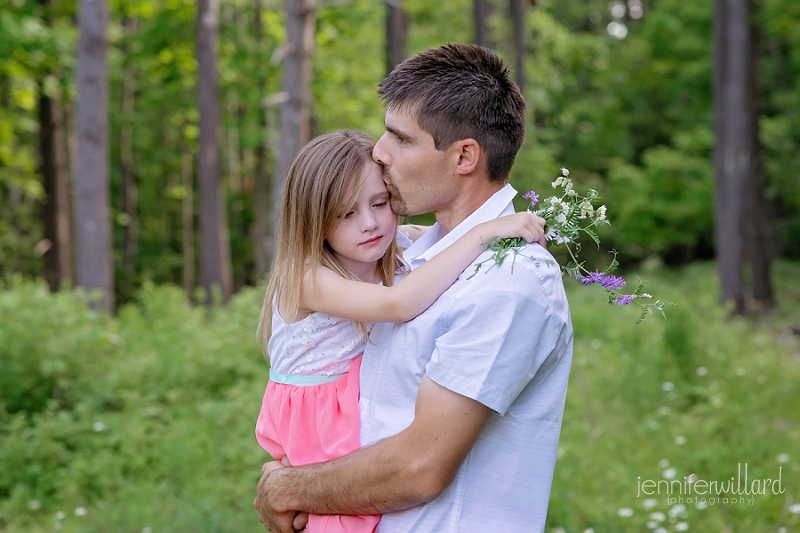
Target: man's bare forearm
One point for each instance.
(373, 480)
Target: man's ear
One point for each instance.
(470, 156)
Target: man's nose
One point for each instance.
(379, 155)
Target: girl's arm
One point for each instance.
(414, 231)
(366, 302)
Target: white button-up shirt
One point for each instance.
(502, 338)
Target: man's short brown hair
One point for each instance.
(460, 91)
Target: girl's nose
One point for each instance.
(368, 221)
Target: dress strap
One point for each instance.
(301, 380)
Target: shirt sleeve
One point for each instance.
(500, 335)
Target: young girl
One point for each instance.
(336, 261)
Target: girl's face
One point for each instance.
(367, 228)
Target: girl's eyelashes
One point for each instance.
(380, 204)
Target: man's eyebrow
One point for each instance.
(394, 131)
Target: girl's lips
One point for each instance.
(371, 242)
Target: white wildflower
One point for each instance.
(60, 515)
(681, 526)
(625, 512)
(702, 504)
(658, 517)
(783, 458)
(80, 511)
(564, 171)
(795, 508)
(649, 503)
(680, 440)
(646, 296)
(601, 212)
(676, 510)
(669, 473)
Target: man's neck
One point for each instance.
(465, 204)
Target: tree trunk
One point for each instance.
(296, 83)
(55, 206)
(732, 156)
(396, 32)
(55, 175)
(759, 237)
(215, 269)
(187, 218)
(92, 203)
(261, 201)
(129, 189)
(517, 8)
(480, 11)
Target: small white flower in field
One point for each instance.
(661, 530)
(562, 218)
(692, 478)
(782, 458)
(625, 512)
(681, 526)
(572, 193)
(98, 427)
(646, 296)
(60, 515)
(652, 525)
(80, 511)
(590, 530)
(564, 171)
(649, 503)
(663, 463)
(558, 182)
(677, 509)
(783, 529)
(740, 371)
(658, 517)
(667, 386)
(795, 508)
(35, 504)
(57, 525)
(559, 530)
(653, 425)
(147, 529)
(669, 473)
(601, 212)
(663, 411)
(702, 504)
(716, 401)
(680, 440)
(701, 371)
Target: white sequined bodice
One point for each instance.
(318, 345)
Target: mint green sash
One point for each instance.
(303, 381)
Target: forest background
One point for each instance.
(623, 94)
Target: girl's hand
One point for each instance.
(524, 224)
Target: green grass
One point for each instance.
(146, 420)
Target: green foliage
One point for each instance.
(697, 393)
(146, 420)
(149, 420)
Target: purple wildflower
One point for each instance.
(624, 299)
(593, 277)
(612, 283)
(532, 196)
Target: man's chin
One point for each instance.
(399, 207)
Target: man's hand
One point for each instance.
(273, 520)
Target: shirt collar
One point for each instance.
(432, 242)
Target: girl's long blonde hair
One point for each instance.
(323, 181)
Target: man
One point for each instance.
(462, 406)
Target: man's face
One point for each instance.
(415, 172)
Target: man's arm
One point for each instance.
(410, 468)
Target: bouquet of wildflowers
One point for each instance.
(567, 217)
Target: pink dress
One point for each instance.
(310, 408)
